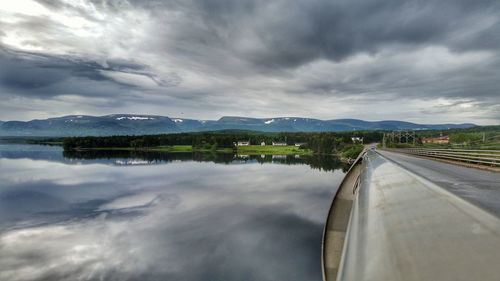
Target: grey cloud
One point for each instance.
(435, 73)
(214, 56)
(479, 110)
(290, 33)
(32, 74)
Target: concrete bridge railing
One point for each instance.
(387, 223)
(479, 157)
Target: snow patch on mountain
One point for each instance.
(134, 118)
(269, 121)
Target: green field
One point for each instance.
(172, 149)
(246, 150)
(269, 149)
(188, 148)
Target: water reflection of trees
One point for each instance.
(320, 162)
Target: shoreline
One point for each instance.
(244, 150)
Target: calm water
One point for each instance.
(128, 216)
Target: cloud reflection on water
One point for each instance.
(179, 221)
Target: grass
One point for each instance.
(189, 148)
(59, 143)
(269, 149)
(247, 150)
(171, 149)
(351, 151)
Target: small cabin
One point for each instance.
(243, 143)
(278, 143)
(263, 143)
(299, 144)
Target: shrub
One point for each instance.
(351, 150)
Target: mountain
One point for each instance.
(79, 125)
(129, 124)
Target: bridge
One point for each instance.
(403, 216)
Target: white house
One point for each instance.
(357, 140)
(298, 144)
(277, 143)
(263, 143)
(243, 143)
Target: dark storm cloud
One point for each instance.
(290, 33)
(32, 74)
(476, 78)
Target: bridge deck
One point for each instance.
(403, 226)
(479, 187)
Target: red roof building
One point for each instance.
(443, 139)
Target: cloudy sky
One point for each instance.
(429, 61)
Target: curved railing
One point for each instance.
(334, 232)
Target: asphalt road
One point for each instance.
(479, 187)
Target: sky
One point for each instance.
(426, 61)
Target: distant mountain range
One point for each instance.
(127, 124)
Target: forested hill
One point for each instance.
(126, 124)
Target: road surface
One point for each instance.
(482, 188)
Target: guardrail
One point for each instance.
(404, 227)
(479, 157)
(334, 233)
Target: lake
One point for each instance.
(120, 215)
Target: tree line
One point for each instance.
(321, 162)
(320, 143)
